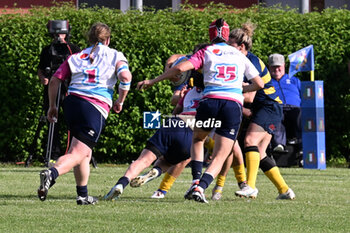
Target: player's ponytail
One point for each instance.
(98, 33)
(91, 55)
(243, 35)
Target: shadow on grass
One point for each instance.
(144, 200)
(21, 170)
(8, 197)
(148, 200)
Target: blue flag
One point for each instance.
(301, 60)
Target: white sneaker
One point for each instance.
(188, 193)
(289, 195)
(115, 192)
(198, 195)
(145, 178)
(216, 196)
(89, 200)
(278, 148)
(216, 193)
(247, 192)
(158, 195)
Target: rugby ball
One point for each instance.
(184, 76)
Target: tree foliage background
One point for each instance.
(148, 39)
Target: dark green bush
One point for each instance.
(148, 39)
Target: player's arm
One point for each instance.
(256, 84)
(252, 74)
(171, 60)
(172, 72)
(62, 73)
(52, 113)
(124, 76)
(248, 96)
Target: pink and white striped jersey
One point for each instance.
(190, 101)
(94, 82)
(223, 68)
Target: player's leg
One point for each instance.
(82, 118)
(146, 158)
(207, 109)
(197, 157)
(77, 153)
(221, 178)
(197, 153)
(230, 116)
(169, 178)
(222, 149)
(160, 165)
(238, 166)
(270, 169)
(255, 134)
(178, 154)
(81, 174)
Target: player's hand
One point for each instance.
(247, 113)
(52, 114)
(144, 84)
(117, 106)
(44, 81)
(183, 90)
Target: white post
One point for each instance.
(124, 5)
(137, 4)
(175, 5)
(304, 6)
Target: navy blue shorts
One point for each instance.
(267, 115)
(84, 121)
(228, 112)
(174, 143)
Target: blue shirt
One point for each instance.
(288, 89)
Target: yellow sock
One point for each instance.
(275, 176)
(252, 161)
(167, 182)
(220, 181)
(209, 143)
(240, 173)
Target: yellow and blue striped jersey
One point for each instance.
(268, 92)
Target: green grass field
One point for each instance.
(322, 205)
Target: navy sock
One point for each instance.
(82, 191)
(159, 170)
(124, 181)
(206, 180)
(197, 167)
(54, 173)
(164, 192)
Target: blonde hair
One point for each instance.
(243, 35)
(98, 33)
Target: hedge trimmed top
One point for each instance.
(147, 39)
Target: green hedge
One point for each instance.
(148, 39)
